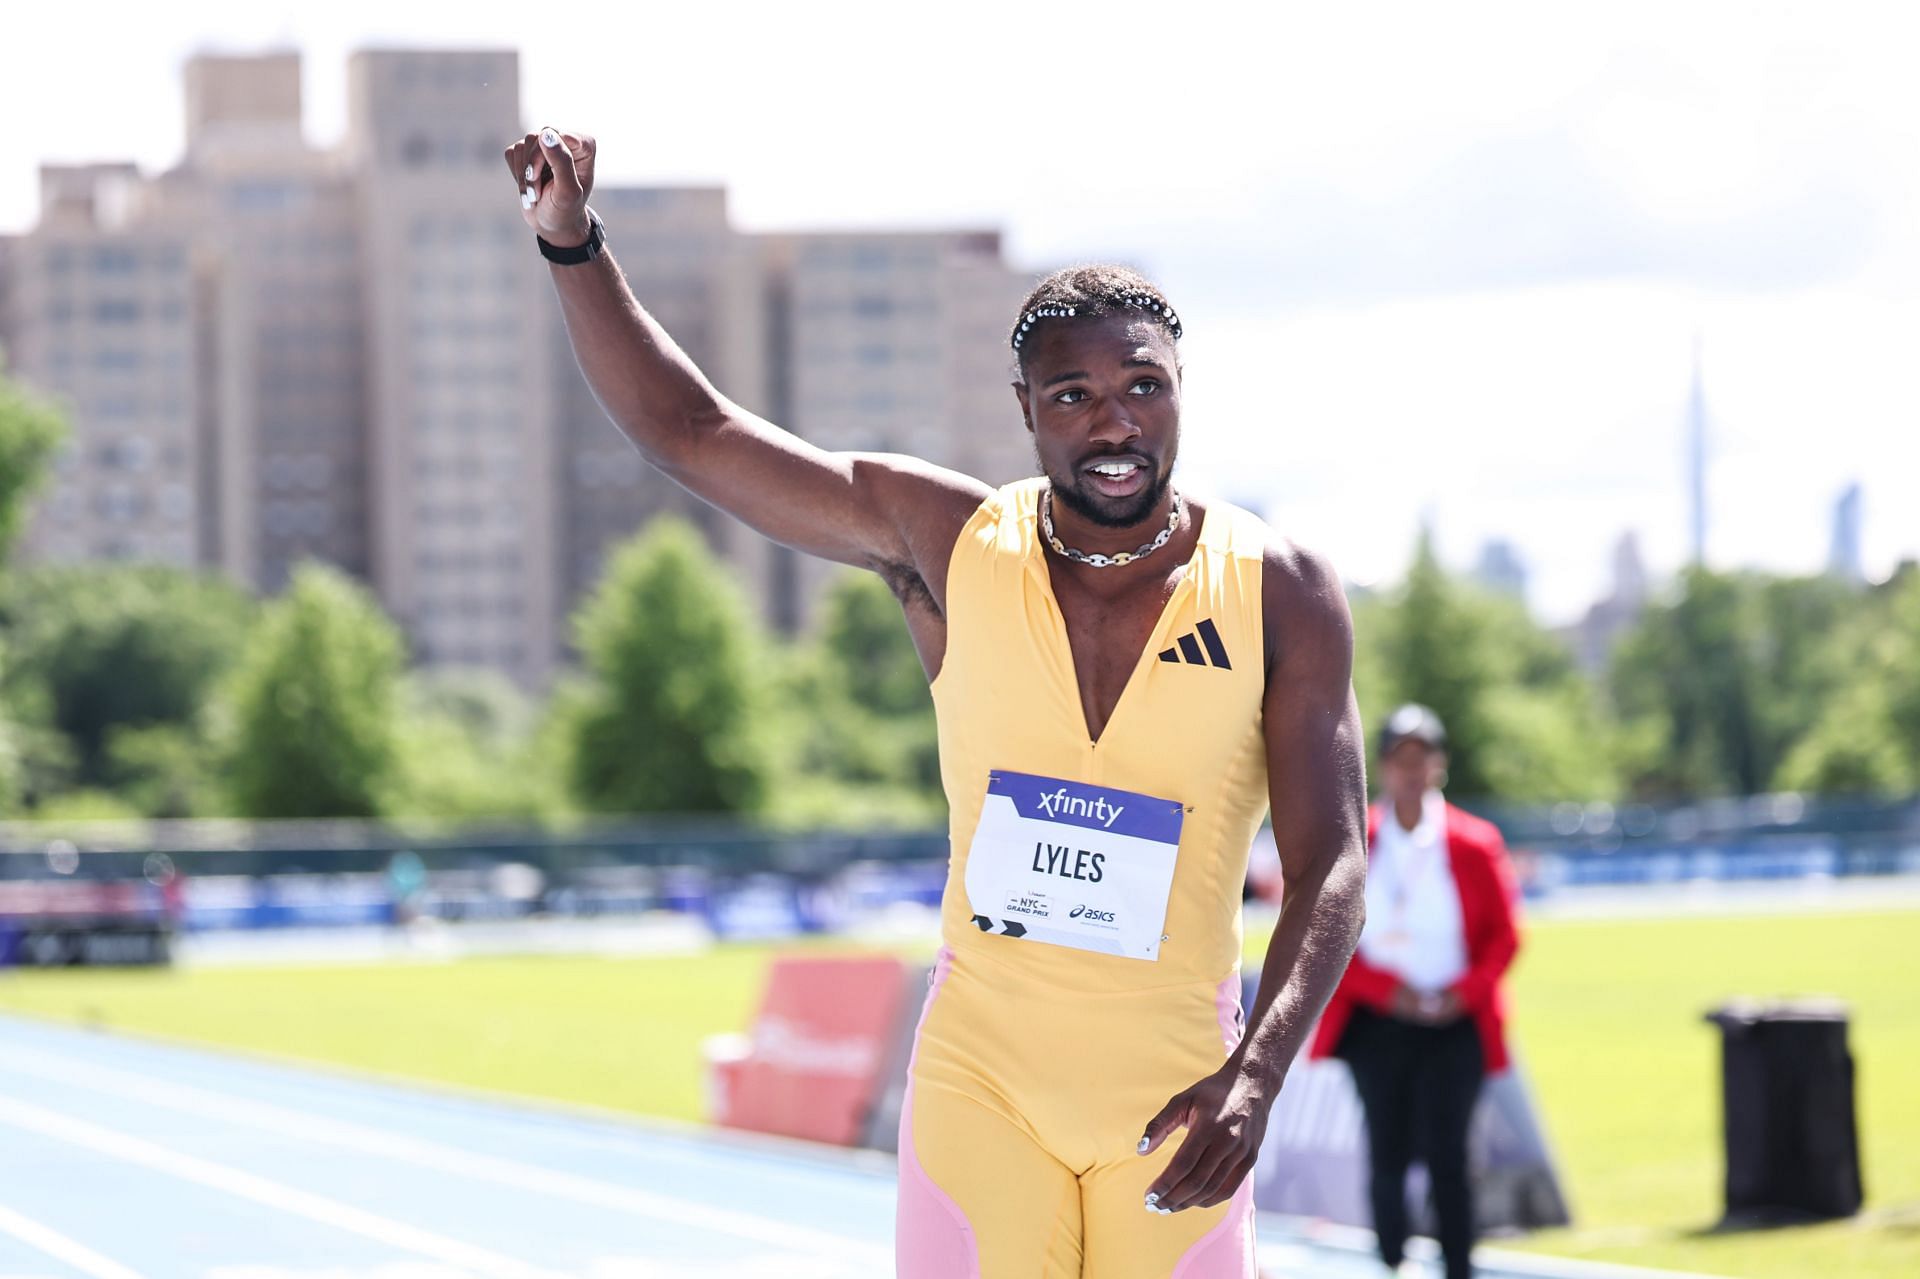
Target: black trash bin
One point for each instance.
(1787, 1087)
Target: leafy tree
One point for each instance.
(1866, 736)
(467, 751)
(673, 718)
(1717, 684)
(1522, 725)
(861, 708)
(30, 432)
(118, 646)
(312, 703)
(1435, 649)
(864, 639)
(163, 770)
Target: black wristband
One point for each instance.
(573, 255)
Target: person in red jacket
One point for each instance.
(1420, 1015)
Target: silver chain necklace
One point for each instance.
(1095, 559)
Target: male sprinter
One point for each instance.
(1123, 679)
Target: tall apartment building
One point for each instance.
(894, 342)
(272, 352)
(104, 312)
(701, 280)
(9, 246)
(461, 372)
(285, 355)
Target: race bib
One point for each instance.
(1073, 865)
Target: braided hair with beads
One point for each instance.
(1090, 291)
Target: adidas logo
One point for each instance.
(1200, 646)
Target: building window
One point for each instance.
(115, 259)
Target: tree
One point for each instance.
(672, 718)
(1866, 735)
(1718, 684)
(312, 703)
(1522, 725)
(30, 432)
(864, 639)
(113, 647)
(857, 720)
(468, 750)
(1436, 652)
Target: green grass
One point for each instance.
(623, 1033)
(1607, 1017)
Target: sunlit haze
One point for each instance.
(1440, 262)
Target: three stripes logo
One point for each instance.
(1200, 646)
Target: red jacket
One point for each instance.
(1488, 897)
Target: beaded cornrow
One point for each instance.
(1145, 301)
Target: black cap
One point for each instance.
(1412, 721)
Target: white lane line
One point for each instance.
(328, 1212)
(61, 1248)
(680, 1212)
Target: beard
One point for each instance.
(1108, 512)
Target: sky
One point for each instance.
(1437, 264)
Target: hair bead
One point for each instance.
(1098, 300)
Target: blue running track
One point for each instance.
(124, 1158)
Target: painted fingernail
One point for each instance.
(1152, 1200)
(529, 173)
(1142, 1147)
(549, 137)
(1164, 1212)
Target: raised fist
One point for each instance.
(555, 173)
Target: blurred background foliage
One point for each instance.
(140, 691)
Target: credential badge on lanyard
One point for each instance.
(1070, 864)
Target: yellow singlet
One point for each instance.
(1091, 922)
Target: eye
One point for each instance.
(1072, 395)
(1145, 386)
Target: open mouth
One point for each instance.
(1118, 476)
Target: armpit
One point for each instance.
(908, 587)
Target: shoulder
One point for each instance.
(931, 505)
(1474, 835)
(919, 492)
(1303, 605)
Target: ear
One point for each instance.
(1026, 409)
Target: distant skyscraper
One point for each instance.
(1629, 573)
(1594, 636)
(1697, 457)
(1844, 561)
(1501, 569)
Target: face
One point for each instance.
(1411, 769)
(1102, 398)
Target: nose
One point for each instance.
(1113, 425)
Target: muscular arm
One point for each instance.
(1316, 778)
(1317, 782)
(877, 511)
